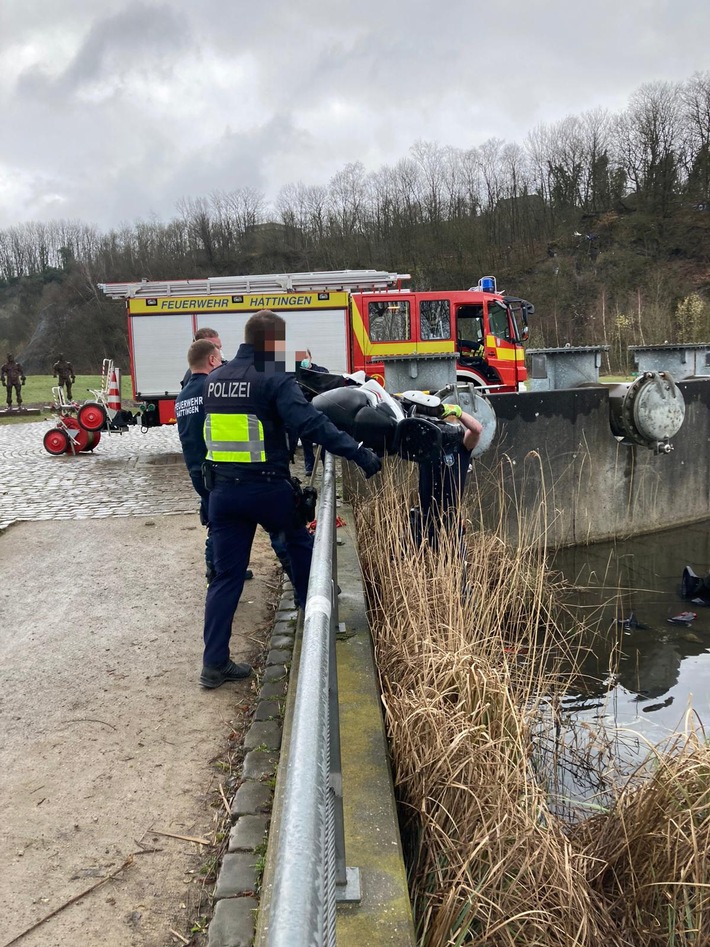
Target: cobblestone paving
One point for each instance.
(130, 474)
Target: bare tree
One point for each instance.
(602, 181)
(347, 196)
(247, 207)
(695, 95)
(195, 213)
(431, 160)
(649, 139)
(471, 181)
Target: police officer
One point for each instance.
(63, 371)
(12, 375)
(442, 482)
(204, 356)
(249, 404)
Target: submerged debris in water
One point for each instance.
(695, 588)
(632, 623)
(684, 618)
(651, 707)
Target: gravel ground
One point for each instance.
(107, 738)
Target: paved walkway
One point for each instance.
(103, 619)
(128, 474)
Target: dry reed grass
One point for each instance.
(469, 665)
(650, 856)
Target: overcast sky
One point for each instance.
(113, 110)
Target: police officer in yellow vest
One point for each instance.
(249, 404)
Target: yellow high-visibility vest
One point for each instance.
(235, 439)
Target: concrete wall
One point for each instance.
(554, 457)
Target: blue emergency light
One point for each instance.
(487, 284)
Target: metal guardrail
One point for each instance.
(310, 874)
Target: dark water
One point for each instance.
(642, 678)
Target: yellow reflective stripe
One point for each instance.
(440, 345)
(235, 438)
(359, 332)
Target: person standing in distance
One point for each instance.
(64, 372)
(249, 404)
(12, 375)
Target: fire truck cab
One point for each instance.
(350, 320)
(486, 330)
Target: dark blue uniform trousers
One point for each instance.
(235, 510)
(278, 543)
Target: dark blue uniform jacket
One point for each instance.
(441, 485)
(190, 414)
(275, 398)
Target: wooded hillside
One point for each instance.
(601, 220)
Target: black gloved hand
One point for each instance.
(368, 461)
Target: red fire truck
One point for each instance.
(349, 319)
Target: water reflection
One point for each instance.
(633, 587)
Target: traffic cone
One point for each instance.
(114, 394)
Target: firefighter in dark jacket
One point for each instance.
(249, 404)
(203, 357)
(63, 371)
(12, 376)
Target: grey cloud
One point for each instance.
(304, 87)
(137, 38)
(238, 159)
(140, 188)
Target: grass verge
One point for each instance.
(37, 393)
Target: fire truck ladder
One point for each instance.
(326, 281)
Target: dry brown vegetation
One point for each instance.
(469, 669)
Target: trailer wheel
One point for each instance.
(56, 441)
(92, 416)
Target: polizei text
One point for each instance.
(229, 389)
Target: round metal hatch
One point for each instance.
(652, 409)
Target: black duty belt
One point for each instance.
(256, 477)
